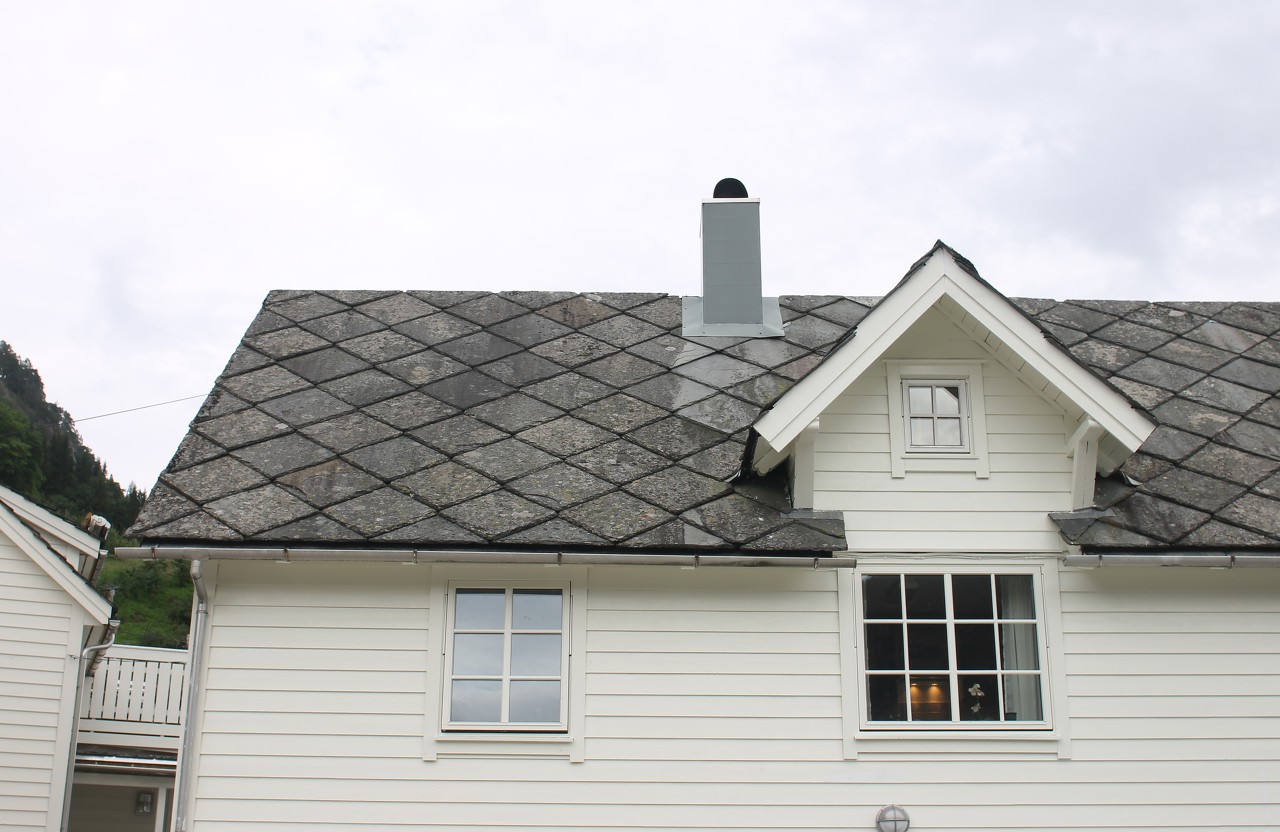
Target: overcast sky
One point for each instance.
(163, 166)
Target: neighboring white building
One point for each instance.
(541, 560)
(48, 614)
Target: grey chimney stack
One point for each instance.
(732, 301)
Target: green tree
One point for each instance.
(21, 452)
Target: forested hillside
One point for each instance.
(43, 458)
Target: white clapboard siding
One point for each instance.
(714, 702)
(950, 509)
(36, 626)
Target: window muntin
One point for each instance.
(937, 415)
(960, 649)
(507, 658)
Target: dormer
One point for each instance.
(948, 389)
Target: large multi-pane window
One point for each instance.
(507, 656)
(953, 648)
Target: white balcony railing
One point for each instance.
(135, 699)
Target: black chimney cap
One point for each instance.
(729, 189)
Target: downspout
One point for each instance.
(196, 648)
(109, 638)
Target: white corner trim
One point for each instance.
(941, 277)
(61, 572)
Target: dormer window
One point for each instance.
(937, 418)
(937, 414)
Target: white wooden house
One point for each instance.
(49, 614)
(539, 560)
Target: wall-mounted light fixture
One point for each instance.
(143, 802)
(892, 819)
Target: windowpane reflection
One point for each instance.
(477, 654)
(476, 700)
(535, 701)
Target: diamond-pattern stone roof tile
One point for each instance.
(555, 419)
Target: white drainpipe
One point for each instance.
(110, 639)
(196, 648)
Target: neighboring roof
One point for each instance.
(523, 419)
(35, 531)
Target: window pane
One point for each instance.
(881, 597)
(477, 654)
(927, 646)
(976, 646)
(479, 609)
(476, 700)
(535, 655)
(979, 698)
(1015, 597)
(922, 432)
(886, 698)
(1022, 698)
(971, 596)
(925, 596)
(1018, 648)
(930, 698)
(884, 647)
(946, 401)
(536, 609)
(948, 433)
(920, 400)
(535, 701)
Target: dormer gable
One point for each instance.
(1103, 427)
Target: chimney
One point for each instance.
(731, 302)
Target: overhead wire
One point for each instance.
(143, 407)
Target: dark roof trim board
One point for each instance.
(552, 421)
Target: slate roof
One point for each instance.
(520, 419)
(545, 419)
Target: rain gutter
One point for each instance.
(1199, 558)
(289, 555)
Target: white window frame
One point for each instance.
(967, 375)
(1045, 672)
(961, 416)
(443, 740)
(506, 677)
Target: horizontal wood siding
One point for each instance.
(945, 510)
(1174, 664)
(36, 617)
(713, 702)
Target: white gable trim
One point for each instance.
(49, 523)
(940, 276)
(38, 550)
